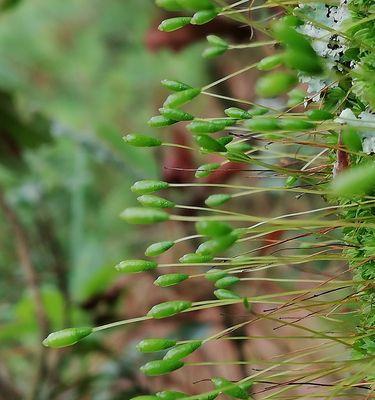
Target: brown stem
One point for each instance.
(57, 264)
(7, 389)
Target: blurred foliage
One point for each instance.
(74, 77)
(19, 134)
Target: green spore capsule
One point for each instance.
(66, 337)
(182, 350)
(224, 140)
(136, 266)
(240, 147)
(138, 140)
(172, 24)
(238, 113)
(204, 16)
(351, 139)
(270, 62)
(215, 274)
(212, 126)
(230, 388)
(196, 5)
(193, 258)
(159, 121)
(216, 200)
(246, 304)
(209, 144)
(275, 84)
(148, 186)
(176, 114)
(292, 39)
(292, 124)
(170, 279)
(152, 345)
(264, 124)
(161, 367)
(291, 181)
(213, 228)
(156, 249)
(214, 51)
(169, 5)
(140, 215)
(175, 86)
(319, 115)
(206, 396)
(225, 294)
(217, 41)
(178, 99)
(292, 21)
(359, 180)
(226, 282)
(257, 111)
(206, 169)
(217, 245)
(169, 308)
(150, 200)
(303, 62)
(171, 395)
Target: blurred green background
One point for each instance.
(75, 75)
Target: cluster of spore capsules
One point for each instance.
(229, 136)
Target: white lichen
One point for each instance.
(324, 20)
(365, 123)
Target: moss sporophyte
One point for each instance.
(306, 132)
